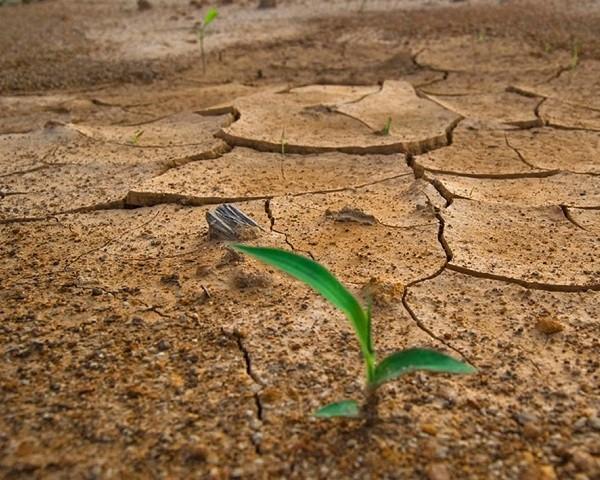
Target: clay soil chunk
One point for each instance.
(184, 131)
(537, 247)
(556, 149)
(504, 108)
(490, 55)
(57, 169)
(385, 231)
(247, 174)
(19, 114)
(164, 98)
(414, 121)
(470, 83)
(560, 114)
(70, 176)
(578, 190)
(323, 118)
(579, 86)
(478, 151)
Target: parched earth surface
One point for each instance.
(135, 345)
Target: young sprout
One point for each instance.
(211, 14)
(376, 373)
(386, 128)
(283, 141)
(575, 52)
(135, 138)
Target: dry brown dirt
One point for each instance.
(132, 345)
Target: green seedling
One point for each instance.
(210, 16)
(135, 138)
(376, 373)
(575, 53)
(386, 128)
(283, 141)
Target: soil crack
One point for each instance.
(286, 238)
(405, 303)
(255, 436)
(570, 218)
(524, 283)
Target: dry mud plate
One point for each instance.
(441, 159)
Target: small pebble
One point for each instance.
(437, 471)
(549, 326)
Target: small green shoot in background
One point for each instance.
(385, 131)
(377, 373)
(135, 138)
(575, 54)
(283, 141)
(210, 16)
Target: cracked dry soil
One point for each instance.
(133, 346)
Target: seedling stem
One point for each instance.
(211, 14)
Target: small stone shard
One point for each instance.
(227, 222)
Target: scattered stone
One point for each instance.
(437, 471)
(228, 222)
(535, 471)
(532, 431)
(584, 462)
(549, 326)
(594, 422)
(429, 428)
(580, 424)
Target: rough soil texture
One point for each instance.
(132, 345)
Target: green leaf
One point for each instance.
(320, 279)
(414, 359)
(210, 16)
(369, 325)
(345, 408)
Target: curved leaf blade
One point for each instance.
(320, 279)
(345, 408)
(413, 359)
(211, 14)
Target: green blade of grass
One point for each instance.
(414, 359)
(210, 16)
(320, 279)
(345, 408)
